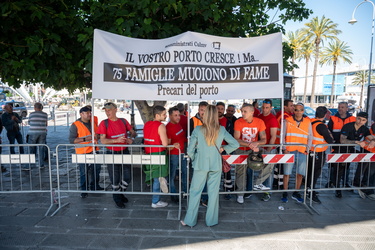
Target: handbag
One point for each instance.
(226, 167)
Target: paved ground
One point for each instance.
(95, 223)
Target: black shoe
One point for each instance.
(3, 169)
(316, 199)
(338, 194)
(124, 199)
(120, 204)
(84, 195)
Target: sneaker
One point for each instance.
(261, 187)
(247, 196)
(297, 197)
(84, 195)
(120, 204)
(159, 204)
(266, 197)
(284, 198)
(316, 199)
(371, 196)
(240, 199)
(204, 203)
(163, 184)
(362, 194)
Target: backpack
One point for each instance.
(106, 122)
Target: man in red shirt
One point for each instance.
(266, 174)
(246, 131)
(183, 118)
(177, 138)
(114, 131)
(155, 133)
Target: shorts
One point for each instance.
(300, 160)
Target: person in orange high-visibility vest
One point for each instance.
(297, 131)
(80, 132)
(321, 135)
(335, 124)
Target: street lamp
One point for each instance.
(353, 21)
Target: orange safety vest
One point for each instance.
(197, 122)
(317, 138)
(338, 123)
(297, 134)
(82, 131)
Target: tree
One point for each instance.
(335, 52)
(361, 78)
(305, 53)
(51, 41)
(318, 30)
(293, 39)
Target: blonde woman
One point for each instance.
(203, 149)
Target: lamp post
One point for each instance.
(353, 21)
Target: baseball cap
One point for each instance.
(363, 114)
(110, 105)
(84, 109)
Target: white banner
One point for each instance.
(189, 66)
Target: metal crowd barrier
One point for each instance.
(69, 117)
(275, 160)
(25, 172)
(133, 162)
(345, 167)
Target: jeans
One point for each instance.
(38, 139)
(12, 137)
(155, 189)
(249, 180)
(87, 176)
(174, 163)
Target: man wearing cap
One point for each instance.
(80, 132)
(351, 133)
(114, 131)
(321, 135)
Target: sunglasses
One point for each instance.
(268, 102)
(296, 110)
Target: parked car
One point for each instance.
(333, 111)
(18, 107)
(309, 112)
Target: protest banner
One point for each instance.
(189, 66)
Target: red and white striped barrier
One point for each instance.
(338, 158)
(267, 158)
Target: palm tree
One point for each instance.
(305, 53)
(293, 39)
(361, 78)
(318, 30)
(335, 52)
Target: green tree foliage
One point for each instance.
(331, 55)
(318, 30)
(51, 41)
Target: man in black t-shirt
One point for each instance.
(351, 133)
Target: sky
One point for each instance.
(357, 36)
